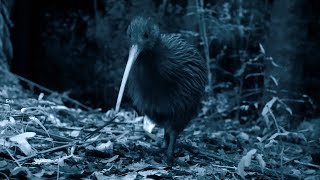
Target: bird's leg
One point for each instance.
(170, 151)
(166, 139)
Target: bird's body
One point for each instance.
(167, 82)
(167, 78)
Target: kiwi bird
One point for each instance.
(166, 78)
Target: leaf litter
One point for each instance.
(43, 138)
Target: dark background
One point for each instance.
(79, 47)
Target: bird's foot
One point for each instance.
(169, 160)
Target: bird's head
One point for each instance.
(143, 33)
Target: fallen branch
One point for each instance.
(49, 90)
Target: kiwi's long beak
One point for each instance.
(133, 54)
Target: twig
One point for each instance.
(274, 118)
(74, 143)
(250, 94)
(98, 129)
(53, 136)
(16, 161)
(58, 172)
(254, 75)
(281, 161)
(46, 151)
(227, 167)
(4, 175)
(50, 91)
(224, 71)
(290, 160)
(122, 135)
(307, 164)
(90, 130)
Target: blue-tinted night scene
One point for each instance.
(159, 89)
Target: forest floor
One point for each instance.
(42, 138)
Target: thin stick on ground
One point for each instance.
(16, 161)
(75, 102)
(3, 174)
(227, 167)
(307, 164)
(98, 129)
(46, 151)
(53, 136)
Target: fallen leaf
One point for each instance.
(245, 162)
(268, 106)
(22, 143)
(262, 163)
(104, 146)
(148, 125)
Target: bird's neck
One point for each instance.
(152, 55)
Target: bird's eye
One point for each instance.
(146, 35)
